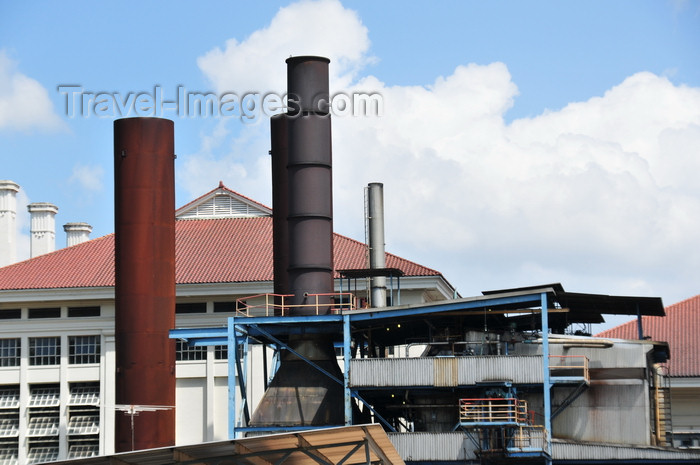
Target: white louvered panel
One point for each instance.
(9, 398)
(9, 426)
(84, 395)
(84, 424)
(44, 397)
(43, 426)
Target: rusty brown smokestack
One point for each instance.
(145, 281)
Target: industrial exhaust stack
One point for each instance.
(300, 395)
(144, 192)
(377, 258)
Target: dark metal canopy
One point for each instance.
(584, 307)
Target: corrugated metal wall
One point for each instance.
(413, 447)
(617, 413)
(448, 371)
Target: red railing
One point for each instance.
(278, 304)
(494, 410)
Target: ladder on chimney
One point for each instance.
(663, 428)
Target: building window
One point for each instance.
(10, 352)
(224, 307)
(9, 396)
(9, 424)
(54, 312)
(83, 448)
(83, 349)
(184, 351)
(84, 420)
(44, 395)
(80, 312)
(196, 307)
(84, 394)
(42, 451)
(220, 352)
(9, 452)
(44, 350)
(10, 314)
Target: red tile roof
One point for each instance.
(225, 250)
(680, 328)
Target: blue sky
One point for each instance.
(521, 142)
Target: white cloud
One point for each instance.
(89, 178)
(256, 64)
(600, 195)
(24, 102)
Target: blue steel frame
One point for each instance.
(240, 329)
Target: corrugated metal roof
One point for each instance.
(565, 450)
(331, 446)
(225, 250)
(680, 328)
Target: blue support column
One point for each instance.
(231, 379)
(546, 385)
(347, 397)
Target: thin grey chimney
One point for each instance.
(377, 260)
(42, 228)
(8, 227)
(77, 233)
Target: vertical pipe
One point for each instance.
(640, 326)
(280, 206)
(144, 185)
(347, 398)
(377, 260)
(232, 374)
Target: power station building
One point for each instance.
(352, 355)
(57, 341)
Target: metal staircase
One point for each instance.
(661, 407)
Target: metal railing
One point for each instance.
(513, 440)
(569, 366)
(494, 411)
(278, 304)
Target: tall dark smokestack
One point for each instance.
(145, 281)
(309, 174)
(300, 395)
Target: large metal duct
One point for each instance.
(310, 214)
(144, 192)
(377, 259)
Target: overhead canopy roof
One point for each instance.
(351, 445)
(584, 306)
